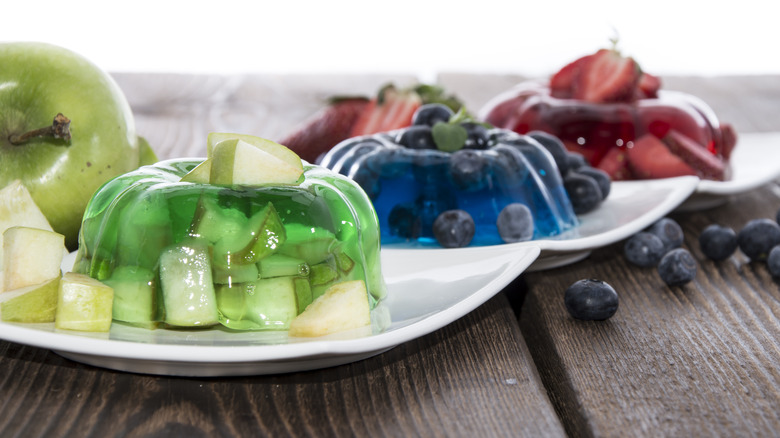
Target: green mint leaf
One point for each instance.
(449, 137)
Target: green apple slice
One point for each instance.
(343, 306)
(200, 174)
(31, 256)
(277, 150)
(187, 286)
(17, 208)
(236, 162)
(83, 304)
(36, 303)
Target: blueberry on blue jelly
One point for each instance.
(758, 237)
(454, 228)
(773, 262)
(575, 160)
(670, 233)
(433, 200)
(368, 180)
(677, 267)
(644, 249)
(584, 192)
(477, 136)
(431, 114)
(404, 221)
(718, 242)
(601, 177)
(467, 169)
(416, 137)
(591, 300)
(515, 223)
(555, 147)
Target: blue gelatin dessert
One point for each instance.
(451, 182)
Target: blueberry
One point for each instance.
(454, 229)
(591, 300)
(404, 221)
(368, 180)
(644, 249)
(575, 160)
(432, 113)
(416, 137)
(670, 233)
(467, 169)
(677, 267)
(718, 242)
(773, 262)
(758, 237)
(477, 136)
(584, 192)
(515, 223)
(601, 177)
(555, 147)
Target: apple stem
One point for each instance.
(59, 129)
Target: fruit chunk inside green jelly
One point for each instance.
(221, 256)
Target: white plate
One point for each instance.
(754, 162)
(426, 291)
(630, 207)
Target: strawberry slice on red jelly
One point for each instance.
(650, 158)
(391, 109)
(562, 82)
(607, 76)
(615, 163)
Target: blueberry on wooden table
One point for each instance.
(758, 237)
(644, 249)
(677, 267)
(718, 242)
(670, 233)
(591, 300)
(773, 262)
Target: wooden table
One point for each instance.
(698, 360)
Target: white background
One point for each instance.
(530, 38)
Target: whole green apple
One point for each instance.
(65, 129)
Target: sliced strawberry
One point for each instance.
(648, 86)
(607, 76)
(695, 155)
(615, 163)
(392, 109)
(562, 83)
(728, 138)
(326, 129)
(649, 158)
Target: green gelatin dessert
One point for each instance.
(247, 238)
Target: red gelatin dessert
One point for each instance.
(603, 106)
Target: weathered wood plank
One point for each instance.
(474, 377)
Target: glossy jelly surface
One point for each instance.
(594, 129)
(249, 258)
(410, 188)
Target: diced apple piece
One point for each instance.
(343, 306)
(238, 162)
(83, 304)
(187, 286)
(134, 295)
(277, 150)
(36, 303)
(31, 256)
(200, 174)
(17, 208)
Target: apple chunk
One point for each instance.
(31, 256)
(235, 161)
(83, 304)
(17, 208)
(343, 306)
(277, 150)
(36, 303)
